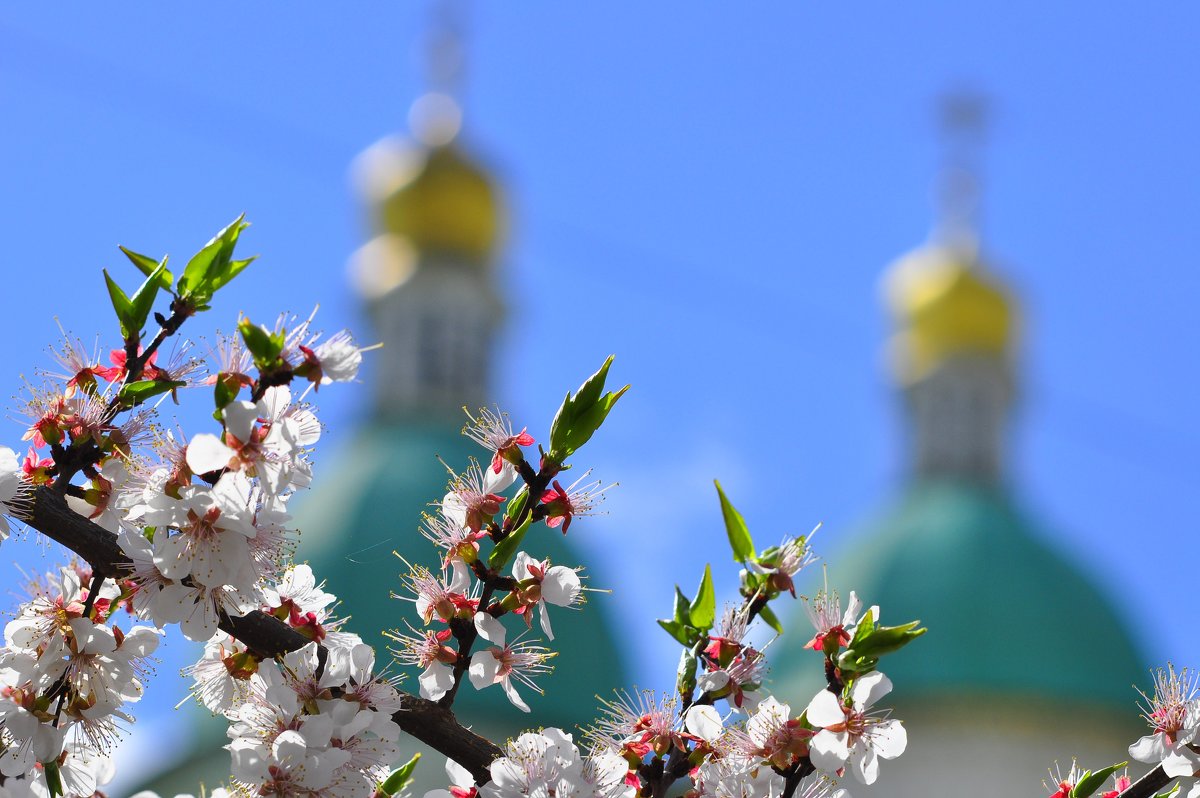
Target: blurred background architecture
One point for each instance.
(986, 696)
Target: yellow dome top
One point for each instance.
(443, 203)
(945, 305)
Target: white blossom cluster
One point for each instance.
(466, 515)
(205, 524)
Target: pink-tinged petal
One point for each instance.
(869, 689)
(207, 453)
(489, 628)
(828, 751)
(561, 586)
(494, 482)
(825, 710)
(483, 670)
(521, 563)
(513, 696)
(852, 610)
(889, 739)
(704, 722)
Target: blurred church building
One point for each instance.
(1026, 660)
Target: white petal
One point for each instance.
(713, 680)
(520, 569)
(825, 710)
(1180, 763)
(207, 453)
(483, 670)
(889, 739)
(1149, 749)
(239, 419)
(489, 628)
(828, 751)
(544, 618)
(561, 586)
(436, 681)
(869, 689)
(864, 764)
(513, 696)
(704, 722)
(459, 775)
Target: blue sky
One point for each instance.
(710, 193)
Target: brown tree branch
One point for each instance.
(1148, 785)
(436, 726)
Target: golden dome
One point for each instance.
(428, 195)
(945, 305)
(447, 204)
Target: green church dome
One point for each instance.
(1008, 616)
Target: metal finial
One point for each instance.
(963, 116)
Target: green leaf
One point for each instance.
(147, 265)
(506, 549)
(1090, 782)
(142, 301)
(400, 778)
(1169, 793)
(886, 639)
(213, 266)
(735, 528)
(768, 615)
(516, 505)
(53, 778)
(683, 612)
(703, 609)
(866, 626)
(681, 632)
(233, 270)
(121, 305)
(581, 415)
(264, 346)
(685, 676)
(137, 392)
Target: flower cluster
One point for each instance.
(468, 598)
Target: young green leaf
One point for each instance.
(400, 778)
(703, 609)
(581, 414)
(768, 615)
(506, 549)
(137, 392)
(735, 528)
(213, 266)
(147, 265)
(121, 305)
(682, 633)
(682, 611)
(1090, 782)
(142, 301)
(685, 676)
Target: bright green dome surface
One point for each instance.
(367, 503)
(1007, 615)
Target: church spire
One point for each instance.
(426, 271)
(951, 353)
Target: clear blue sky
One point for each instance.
(709, 192)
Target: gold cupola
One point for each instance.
(430, 194)
(945, 304)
